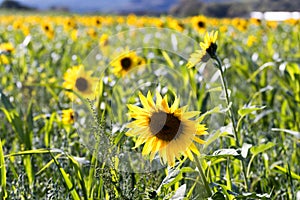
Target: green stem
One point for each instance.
(231, 112)
(203, 177)
(228, 101)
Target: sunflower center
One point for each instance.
(81, 84)
(126, 63)
(164, 126)
(98, 22)
(201, 24)
(211, 50)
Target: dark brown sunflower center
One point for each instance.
(212, 49)
(71, 115)
(165, 126)
(98, 22)
(81, 84)
(47, 28)
(126, 63)
(201, 24)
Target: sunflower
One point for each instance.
(68, 116)
(79, 81)
(199, 23)
(125, 63)
(48, 30)
(208, 50)
(166, 130)
(6, 48)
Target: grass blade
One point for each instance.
(3, 192)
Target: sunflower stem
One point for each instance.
(231, 112)
(206, 184)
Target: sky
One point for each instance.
(94, 5)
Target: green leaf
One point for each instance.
(79, 175)
(261, 148)
(3, 192)
(168, 59)
(247, 110)
(223, 153)
(218, 196)
(68, 183)
(29, 169)
(260, 69)
(47, 165)
(6, 101)
(285, 171)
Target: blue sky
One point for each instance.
(94, 5)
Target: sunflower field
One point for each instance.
(140, 107)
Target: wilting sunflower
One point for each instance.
(79, 81)
(166, 130)
(199, 23)
(123, 64)
(208, 50)
(68, 116)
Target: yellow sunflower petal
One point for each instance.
(196, 139)
(148, 146)
(144, 101)
(158, 99)
(194, 149)
(174, 105)
(150, 100)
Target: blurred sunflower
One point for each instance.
(68, 116)
(6, 47)
(103, 41)
(48, 30)
(166, 130)
(123, 64)
(79, 81)
(208, 50)
(4, 60)
(199, 23)
(251, 40)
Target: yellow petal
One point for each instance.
(150, 100)
(140, 141)
(144, 101)
(165, 106)
(196, 139)
(158, 99)
(189, 154)
(148, 146)
(194, 149)
(174, 105)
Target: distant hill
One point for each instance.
(14, 5)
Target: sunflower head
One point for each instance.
(68, 116)
(80, 81)
(200, 23)
(123, 64)
(6, 47)
(208, 50)
(166, 130)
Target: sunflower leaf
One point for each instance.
(261, 148)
